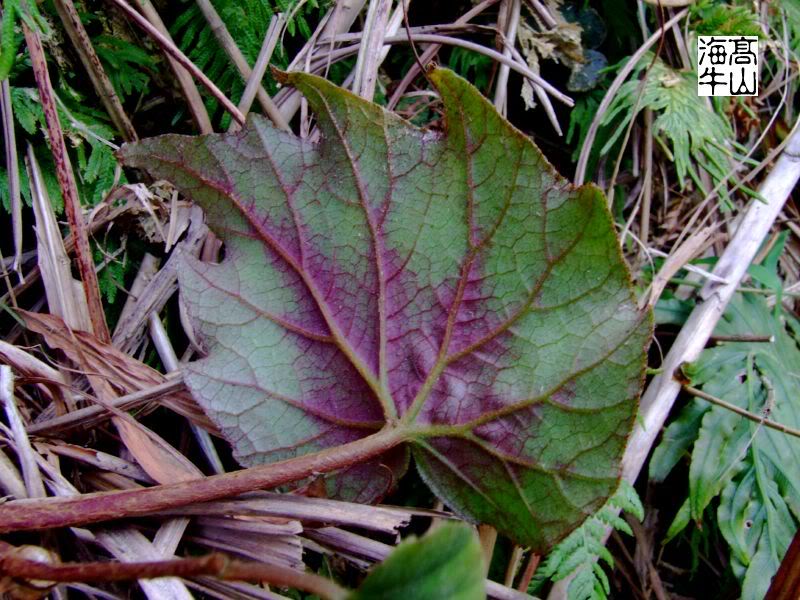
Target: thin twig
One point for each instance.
(547, 105)
(761, 420)
(169, 46)
(218, 565)
(230, 47)
(185, 81)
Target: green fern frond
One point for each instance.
(580, 553)
(125, 64)
(692, 133)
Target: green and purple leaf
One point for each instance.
(449, 284)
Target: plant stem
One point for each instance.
(169, 47)
(742, 412)
(184, 79)
(66, 181)
(105, 506)
(230, 47)
(216, 564)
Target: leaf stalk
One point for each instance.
(105, 506)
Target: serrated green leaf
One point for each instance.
(445, 563)
(449, 285)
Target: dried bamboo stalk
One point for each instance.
(97, 74)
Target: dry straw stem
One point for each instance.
(102, 85)
(190, 91)
(12, 170)
(66, 181)
(169, 46)
(34, 487)
(262, 62)
(583, 159)
(338, 20)
(230, 47)
(510, 10)
(369, 52)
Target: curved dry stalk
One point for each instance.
(523, 70)
(169, 46)
(431, 51)
(185, 81)
(230, 47)
(583, 159)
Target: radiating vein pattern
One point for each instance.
(453, 282)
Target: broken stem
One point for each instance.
(105, 506)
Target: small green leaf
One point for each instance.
(445, 563)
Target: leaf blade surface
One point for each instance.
(452, 284)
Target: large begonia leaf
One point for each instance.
(450, 284)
